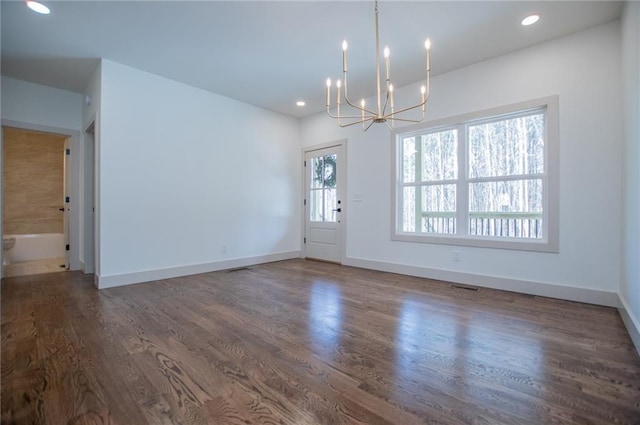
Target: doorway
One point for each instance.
(36, 180)
(89, 203)
(325, 171)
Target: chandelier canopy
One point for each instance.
(360, 114)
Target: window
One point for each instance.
(323, 192)
(485, 179)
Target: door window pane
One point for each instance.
(323, 192)
(330, 205)
(324, 171)
(316, 178)
(315, 205)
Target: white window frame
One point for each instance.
(550, 179)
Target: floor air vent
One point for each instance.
(467, 288)
(237, 269)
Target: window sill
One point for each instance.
(538, 245)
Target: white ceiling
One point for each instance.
(272, 53)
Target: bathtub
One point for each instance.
(36, 247)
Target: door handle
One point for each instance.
(337, 209)
(60, 209)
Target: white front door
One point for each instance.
(324, 209)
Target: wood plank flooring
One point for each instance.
(24, 268)
(301, 342)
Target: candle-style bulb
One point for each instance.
(427, 45)
(339, 83)
(328, 82)
(391, 88)
(362, 103)
(344, 57)
(387, 64)
(423, 89)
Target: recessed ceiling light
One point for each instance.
(38, 7)
(301, 103)
(530, 20)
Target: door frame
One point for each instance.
(67, 194)
(89, 166)
(75, 228)
(342, 190)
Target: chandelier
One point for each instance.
(360, 114)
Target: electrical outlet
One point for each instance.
(456, 256)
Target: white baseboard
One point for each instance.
(571, 293)
(630, 321)
(111, 281)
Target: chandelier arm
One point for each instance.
(409, 108)
(384, 108)
(406, 120)
(359, 108)
(358, 122)
(392, 115)
(367, 117)
(346, 98)
(369, 126)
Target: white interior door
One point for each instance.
(324, 209)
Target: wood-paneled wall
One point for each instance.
(33, 179)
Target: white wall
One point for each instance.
(40, 105)
(583, 69)
(184, 172)
(92, 98)
(630, 285)
(37, 107)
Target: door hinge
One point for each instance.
(67, 200)
(67, 248)
(305, 202)
(305, 240)
(68, 151)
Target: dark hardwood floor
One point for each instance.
(301, 342)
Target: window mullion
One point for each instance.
(430, 183)
(462, 188)
(418, 178)
(515, 177)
